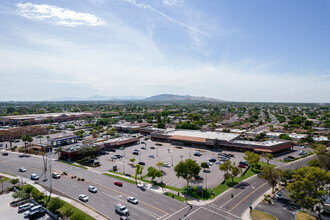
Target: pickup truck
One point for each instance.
(121, 209)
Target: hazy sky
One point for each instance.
(231, 50)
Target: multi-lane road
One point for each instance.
(151, 205)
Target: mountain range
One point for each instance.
(156, 98)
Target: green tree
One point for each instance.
(40, 137)
(271, 175)
(138, 171)
(309, 186)
(252, 158)
(132, 161)
(153, 173)
(87, 151)
(323, 156)
(267, 156)
(187, 169)
(20, 195)
(284, 137)
(225, 167)
(314, 163)
(160, 165)
(14, 181)
(26, 138)
(235, 171)
(204, 165)
(55, 204)
(58, 151)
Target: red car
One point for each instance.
(242, 166)
(117, 183)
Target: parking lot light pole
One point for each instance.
(123, 168)
(189, 151)
(140, 157)
(172, 159)
(157, 151)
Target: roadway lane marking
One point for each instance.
(176, 212)
(135, 206)
(223, 210)
(128, 196)
(191, 213)
(247, 196)
(219, 214)
(235, 196)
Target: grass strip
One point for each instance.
(4, 179)
(8, 174)
(72, 164)
(258, 215)
(174, 196)
(120, 178)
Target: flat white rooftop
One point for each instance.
(204, 134)
(264, 143)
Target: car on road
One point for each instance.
(212, 160)
(198, 154)
(132, 200)
(22, 169)
(241, 166)
(56, 175)
(166, 165)
(92, 189)
(278, 195)
(117, 183)
(135, 153)
(4, 153)
(121, 209)
(141, 186)
(34, 176)
(152, 148)
(152, 156)
(83, 197)
(142, 163)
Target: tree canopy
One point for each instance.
(187, 169)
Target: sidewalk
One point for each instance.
(78, 205)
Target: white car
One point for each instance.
(218, 162)
(56, 175)
(34, 176)
(92, 189)
(167, 165)
(132, 200)
(22, 169)
(278, 195)
(151, 156)
(302, 152)
(83, 197)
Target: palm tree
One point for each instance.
(58, 151)
(26, 138)
(47, 139)
(40, 136)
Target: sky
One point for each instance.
(254, 51)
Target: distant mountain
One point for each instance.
(171, 97)
(99, 98)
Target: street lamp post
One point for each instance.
(123, 168)
(157, 151)
(172, 159)
(206, 182)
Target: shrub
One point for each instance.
(78, 179)
(68, 212)
(55, 204)
(82, 179)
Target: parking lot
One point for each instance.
(7, 212)
(171, 155)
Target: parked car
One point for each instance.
(114, 157)
(34, 176)
(302, 152)
(113, 149)
(92, 189)
(166, 165)
(33, 211)
(212, 160)
(209, 163)
(152, 148)
(198, 154)
(16, 141)
(56, 175)
(142, 163)
(198, 177)
(303, 146)
(136, 150)
(278, 195)
(1, 144)
(25, 207)
(241, 166)
(218, 162)
(5, 154)
(224, 158)
(142, 142)
(291, 157)
(151, 156)
(121, 148)
(132, 200)
(22, 169)
(245, 163)
(83, 197)
(287, 159)
(117, 183)
(135, 153)
(144, 148)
